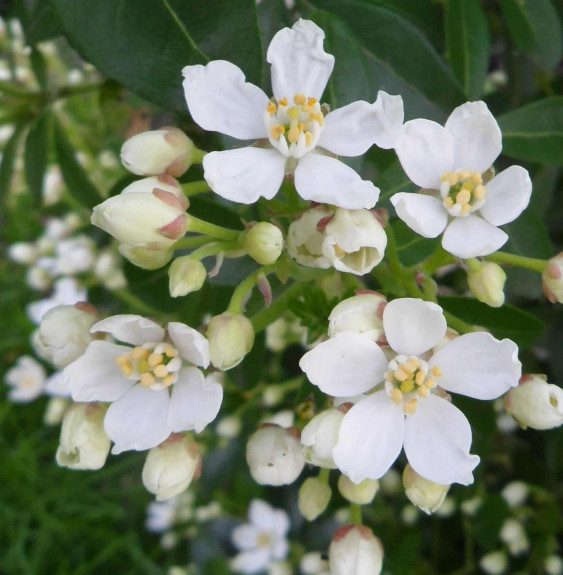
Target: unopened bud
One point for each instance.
(494, 563)
(186, 275)
(304, 241)
(361, 493)
(83, 443)
(362, 313)
(553, 279)
(425, 494)
(157, 151)
(314, 497)
(274, 456)
(515, 493)
(487, 284)
(512, 534)
(146, 258)
(171, 466)
(231, 337)
(264, 243)
(355, 550)
(23, 253)
(55, 410)
(535, 403)
(320, 436)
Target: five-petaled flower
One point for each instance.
(407, 404)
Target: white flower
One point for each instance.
(75, 255)
(355, 550)
(23, 253)
(513, 535)
(302, 137)
(66, 291)
(262, 540)
(312, 563)
(153, 387)
(408, 405)
(515, 493)
(163, 515)
(450, 163)
(26, 379)
(494, 563)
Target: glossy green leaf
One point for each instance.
(468, 44)
(144, 44)
(536, 28)
(7, 163)
(42, 22)
(35, 154)
(411, 247)
(534, 132)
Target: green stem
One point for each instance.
(68, 91)
(533, 264)
(356, 514)
(197, 156)
(265, 317)
(192, 242)
(439, 258)
(198, 226)
(473, 264)
(214, 248)
(136, 303)
(238, 299)
(324, 475)
(193, 188)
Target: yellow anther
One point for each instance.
(448, 202)
(450, 177)
(143, 366)
(430, 383)
(423, 391)
(477, 178)
(127, 368)
(319, 118)
(293, 113)
(271, 108)
(463, 197)
(339, 251)
(411, 365)
(480, 192)
(154, 359)
(283, 102)
(140, 353)
(293, 135)
(311, 101)
(147, 380)
(396, 396)
(464, 174)
(419, 377)
(302, 127)
(436, 371)
(299, 99)
(400, 375)
(465, 209)
(161, 370)
(407, 386)
(170, 351)
(168, 380)
(410, 407)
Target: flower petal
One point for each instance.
(220, 100)
(138, 419)
(299, 63)
(134, 329)
(194, 402)
(245, 174)
(191, 345)
(370, 438)
(437, 442)
(328, 181)
(508, 195)
(423, 214)
(425, 150)
(348, 364)
(266, 518)
(253, 561)
(95, 376)
(413, 326)
(476, 137)
(478, 365)
(245, 537)
(471, 237)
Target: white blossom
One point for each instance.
(26, 379)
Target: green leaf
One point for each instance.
(8, 161)
(35, 154)
(39, 66)
(144, 44)
(504, 322)
(536, 28)
(534, 133)
(411, 247)
(42, 22)
(468, 44)
(79, 184)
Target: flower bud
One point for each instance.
(162, 182)
(314, 497)
(312, 563)
(84, 443)
(231, 337)
(355, 550)
(146, 258)
(274, 456)
(553, 279)
(361, 493)
(362, 313)
(487, 284)
(186, 275)
(64, 333)
(425, 494)
(108, 270)
(512, 534)
(553, 565)
(304, 241)
(535, 403)
(38, 278)
(55, 410)
(264, 243)
(320, 436)
(157, 151)
(23, 253)
(515, 493)
(171, 466)
(494, 563)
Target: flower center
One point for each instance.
(408, 379)
(264, 539)
(294, 129)
(156, 366)
(462, 192)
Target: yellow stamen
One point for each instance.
(283, 102)
(410, 407)
(293, 113)
(140, 353)
(430, 383)
(463, 196)
(400, 375)
(143, 366)
(464, 174)
(161, 371)
(127, 368)
(154, 359)
(467, 186)
(299, 99)
(477, 178)
(311, 101)
(465, 209)
(271, 108)
(411, 365)
(450, 177)
(293, 135)
(396, 396)
(339, 251)
(480, 192)
(448, 202)
(147, 380)
(122, 359)
(407, 386)
(436, 371)
(419, 377)
(168, 380)
(423, 391)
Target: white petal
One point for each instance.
(348, 364)
(134, 329)
(423, 214)
(476, 137)
(267, 518)
(95, 376)
(194, 402)
(328, 181)
(478, 365)
(353, 129)
(471, 237)
(245, 174)
(412, 326)
(138, 419)
(508, 195)
(299, 63)
(370, 438)
(220, 100)
(245, 537)
(437, 442)
(250, 562)
(425, 150)
(191, 345)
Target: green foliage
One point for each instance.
(313, 310)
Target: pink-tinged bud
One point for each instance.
(426, 495)
(231, 337)
(535, 403)
(314, 497)
(553, 279)
(355, 550)
(265, 289)
(264, 243)
(158, 151)
(171, 466)
(163, 182)
(146, 258)
(362, 313)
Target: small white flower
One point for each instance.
(515, 493)
(262, 540)
(450, 162)
(408, 405)
(26, 378)
(312, 563)
(513, 535)
(302, 137)
(66, 291)
(153, 387)
(75, 255)
(494, 563)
